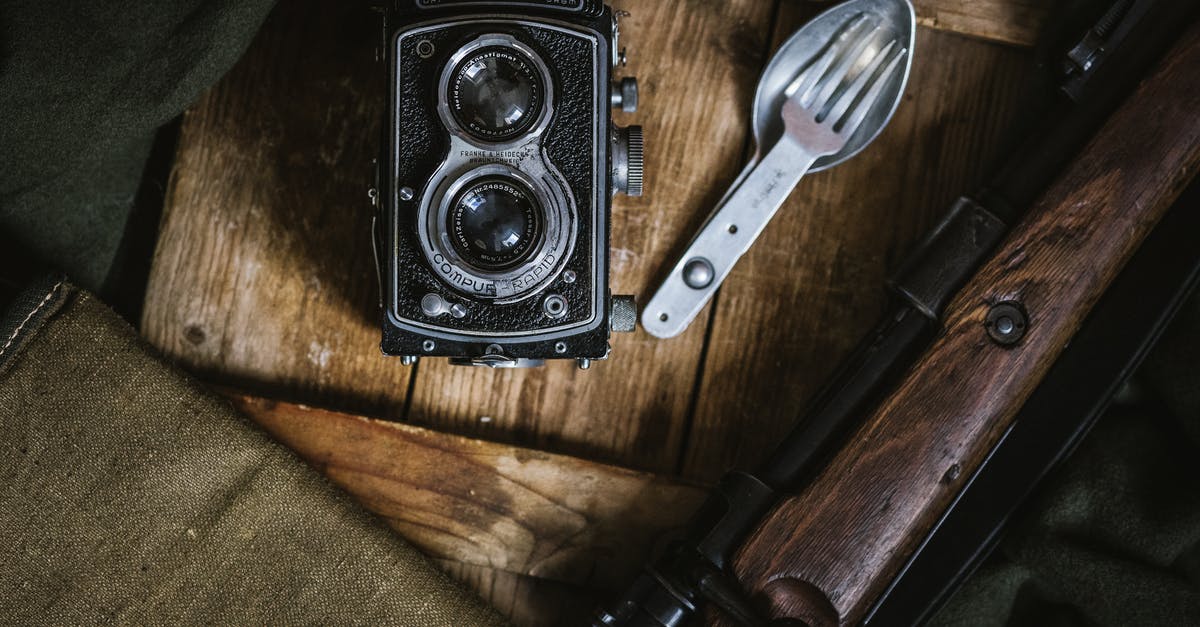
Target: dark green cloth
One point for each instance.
(131, 495)
(128, 494)
(83, 86)
(1113, 538)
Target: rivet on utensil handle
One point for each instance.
(698, 273)
(726, 236)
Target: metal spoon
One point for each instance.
(859, 49)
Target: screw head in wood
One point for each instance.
(1006, 323)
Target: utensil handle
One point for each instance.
(724, 238)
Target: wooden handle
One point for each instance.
(825, 554)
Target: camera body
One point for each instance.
(495, 182)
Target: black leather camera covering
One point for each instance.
(570, 145)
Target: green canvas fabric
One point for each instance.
(1113, 537)
(131, 495)
(83, 87)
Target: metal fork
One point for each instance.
(824, 106)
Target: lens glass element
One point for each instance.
(495, 93)
(494, 223)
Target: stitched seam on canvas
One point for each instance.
(33, 313)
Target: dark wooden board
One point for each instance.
(263, 277)
(527, 601)
(1007, 21)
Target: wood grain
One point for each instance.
(1006, 21)
(824, 555)
(263, 276)
(506, 508)
(697, 64)
(526, 601)
(813, 283)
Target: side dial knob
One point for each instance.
(625, 94)
(628, 161)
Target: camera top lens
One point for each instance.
(496, 93)
(494, 223)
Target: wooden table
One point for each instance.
(543, 489)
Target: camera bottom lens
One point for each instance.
(494, 223)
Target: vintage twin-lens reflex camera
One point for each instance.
(499, 163)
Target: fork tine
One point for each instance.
(805, 81)
(859, 113)
(856, 88)
(834, 79)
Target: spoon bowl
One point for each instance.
(805, 45)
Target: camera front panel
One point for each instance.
(497, 203)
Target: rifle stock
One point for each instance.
(823, 555)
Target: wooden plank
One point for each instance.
(813, 283)
(503, 507)
(263, 275)
(526, 601)
(697, 64)
(824, 556)
(1006, 21)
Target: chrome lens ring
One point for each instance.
(531, 265)
(518, 87)
(494, 223)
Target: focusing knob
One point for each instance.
(633, 184)
(625, 94)
(623, 314)
(627, 160)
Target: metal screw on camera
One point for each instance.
(406, 194)
(428, 346)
